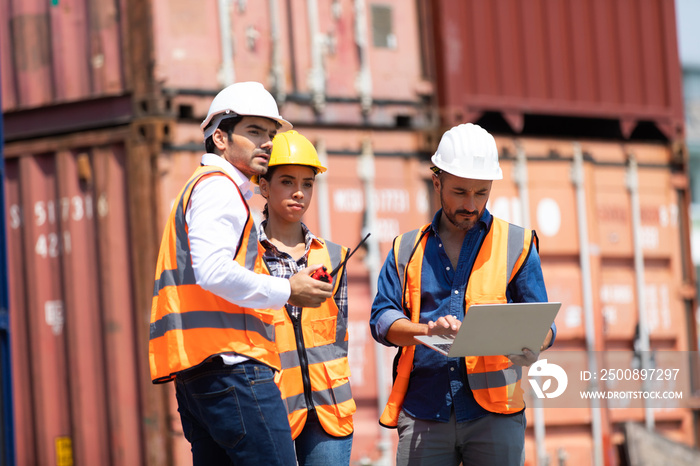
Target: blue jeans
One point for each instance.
(315, 447)
(234, 414)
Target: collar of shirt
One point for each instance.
(309, 237)
(282, 264)
(238, 177)
(485, 220)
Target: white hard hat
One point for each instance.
(468, 151)
(245, 99)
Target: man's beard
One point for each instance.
(466, 224)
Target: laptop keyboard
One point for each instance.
(443, 346)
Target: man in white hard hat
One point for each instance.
(457, 410)
(215, 306)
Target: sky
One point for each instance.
(688, 25)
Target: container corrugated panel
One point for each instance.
(594, 58)
(188, 44)
(55, 52)
(315, 67)
(74, 349)
(189, 50)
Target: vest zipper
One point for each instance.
(303, 361)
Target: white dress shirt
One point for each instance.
(215, 219)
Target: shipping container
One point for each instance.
(102, 106)
(329, 62)
(605, 74)
(543, 179)
(58, 52)
(76, 389)
(614, 63)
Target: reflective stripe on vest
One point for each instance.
(324, 333)
(495, 390)
(316, 354)
(190, 324)
(328, 396)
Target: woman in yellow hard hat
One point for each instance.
(312, 342)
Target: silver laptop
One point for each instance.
(497, 329)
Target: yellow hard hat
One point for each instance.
(291, 148)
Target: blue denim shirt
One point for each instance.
(438, 383)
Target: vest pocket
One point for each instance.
(324, 330)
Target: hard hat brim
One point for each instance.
(318, 169)
(248, 98)
(469, 174)
(212, 122)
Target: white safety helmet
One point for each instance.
(245, 99)
(468, 151)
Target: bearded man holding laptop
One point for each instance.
(450, 410)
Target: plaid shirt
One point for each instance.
(283, 265)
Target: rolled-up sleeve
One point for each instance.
(386, 308)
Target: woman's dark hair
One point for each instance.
(226, 126)
(267, 176)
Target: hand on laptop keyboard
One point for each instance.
(444, 325)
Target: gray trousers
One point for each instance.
(490, 440)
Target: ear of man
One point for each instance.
(220, 138)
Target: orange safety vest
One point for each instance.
(314, 354)
(190, 324)
(494, 380)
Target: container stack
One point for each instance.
(102, 104)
